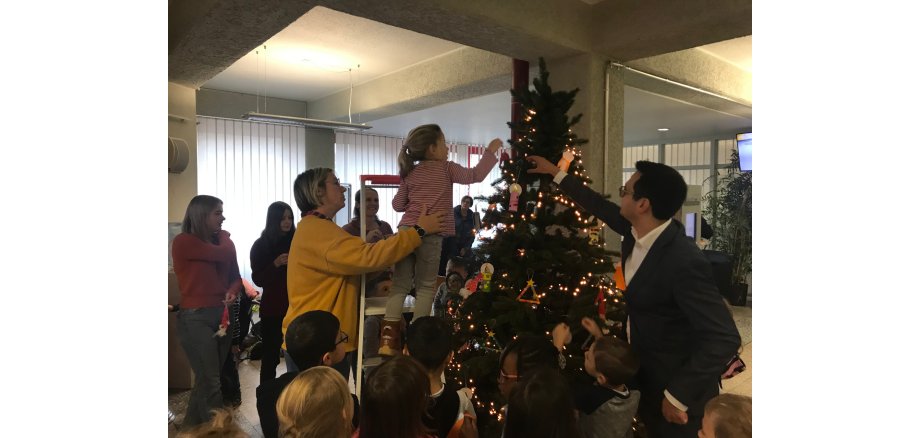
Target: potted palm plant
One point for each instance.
(729, 213)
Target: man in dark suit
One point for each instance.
(679, 326)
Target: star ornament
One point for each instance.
(534, 296)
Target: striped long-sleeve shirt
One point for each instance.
(431, 184)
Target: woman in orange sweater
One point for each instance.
(325, 263)
(204, 259)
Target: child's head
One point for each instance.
(727, 416)
(454, 282)
(315, 404)
(523, 355)
(220, 426)
(611, 361)
(428, 341)
(541, 405)
(458, 265)
(394, 399)
(314, 339)
(425, 142)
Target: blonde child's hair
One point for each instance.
(313, 405)
(732, 415)
(220, 426)
(416, 146)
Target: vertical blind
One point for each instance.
(248, 165)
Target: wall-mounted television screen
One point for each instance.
(744, 151)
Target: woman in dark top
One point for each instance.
(269, 258)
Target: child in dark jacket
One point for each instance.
(606, 406)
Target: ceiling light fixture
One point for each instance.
(300, 121)
(663, 129)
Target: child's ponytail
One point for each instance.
(417, 143)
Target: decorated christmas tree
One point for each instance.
(542, 259)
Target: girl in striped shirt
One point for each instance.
(426, 187)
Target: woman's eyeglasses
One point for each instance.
(344, 338)
(502, 377)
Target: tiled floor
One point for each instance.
(248, 418)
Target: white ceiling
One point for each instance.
(310, 59)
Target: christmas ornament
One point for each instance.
(471, 286)
(565, 161)
(487, 270)
(535, 297)
(515, 190)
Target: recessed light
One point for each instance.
(663, 129)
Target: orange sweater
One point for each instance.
(325, 266)
(206, 272)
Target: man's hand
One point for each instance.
(541, 165)
(671, 413)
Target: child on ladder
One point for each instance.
(427, 182)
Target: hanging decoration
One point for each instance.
(515, 190)
(566, 160)
(535, 297)
(487, 270)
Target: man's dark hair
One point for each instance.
(662, 185)
(310, 336)
(533, 352)
(429, 341)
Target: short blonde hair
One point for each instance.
(731, 415)
(220, 426)
(310, 187)
(315, 404)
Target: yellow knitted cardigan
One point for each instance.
(325, 266)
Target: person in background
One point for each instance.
(376, 228)
(467, 223)
(269, 260)
(316, 404)
(204, 259)
(450, 412)
(427, 182)
(325, 262)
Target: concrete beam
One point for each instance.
(207, 38)
(700, 70)
(628, 30)
(458, 75)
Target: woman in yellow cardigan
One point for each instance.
(325, 262)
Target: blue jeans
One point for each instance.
(206, 354)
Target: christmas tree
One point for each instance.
(543, 263)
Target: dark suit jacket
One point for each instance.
(680, 327)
